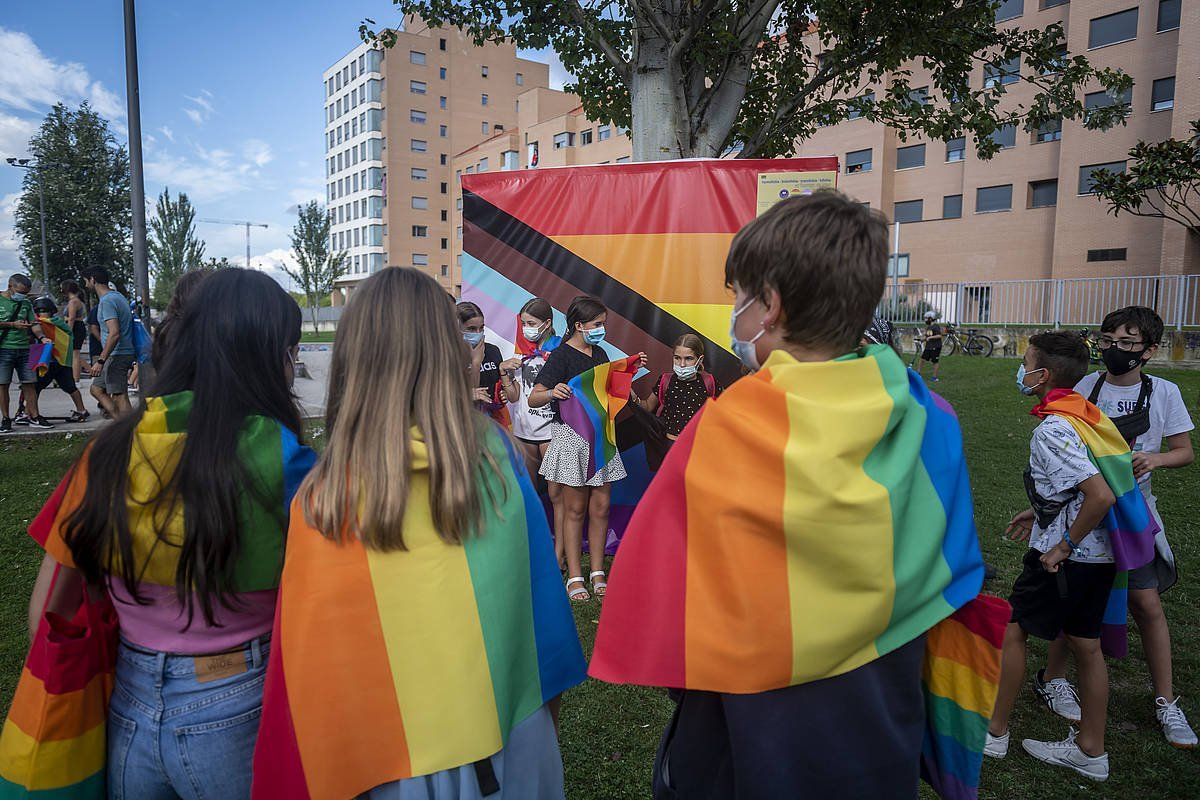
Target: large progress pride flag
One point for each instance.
(648, 239)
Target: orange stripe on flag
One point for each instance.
(640, 262)
(40, 713)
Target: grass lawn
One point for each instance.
(609, 733)
(321, 337)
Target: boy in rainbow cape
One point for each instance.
(1087, 524)
(804, 568)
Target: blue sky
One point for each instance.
(230, 94)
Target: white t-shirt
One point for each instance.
(1168, 412)
(531, 424)
(1058, 462)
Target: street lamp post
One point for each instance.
(24, 164)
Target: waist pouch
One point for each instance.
(1044, 510)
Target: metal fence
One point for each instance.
(1053, 303)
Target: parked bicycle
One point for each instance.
(971, 343)
(1093, 345)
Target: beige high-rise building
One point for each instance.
(552, 131)
(1026, 213)
(394, 120)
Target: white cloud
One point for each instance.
(9, 249)
(202, 101)
(167, 132)
(14, 135)
(194, 115)
(201, 109)
(31, 81)
(257, 152)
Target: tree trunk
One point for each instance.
(312, 313)
(660, 130)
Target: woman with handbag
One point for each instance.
(192, 549)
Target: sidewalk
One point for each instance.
(56, 406)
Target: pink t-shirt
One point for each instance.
(161, 624)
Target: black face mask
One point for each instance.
(1120, 362)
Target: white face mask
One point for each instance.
(686, 373)
(746, 351)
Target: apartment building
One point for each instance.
(552, 131)
(394, 118)
(1027, 213)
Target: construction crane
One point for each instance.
(238, 222)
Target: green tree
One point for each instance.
(172, 246)
(317, 268)
(218, 263)
(85, 177)
(1163, 181)
(701, 77)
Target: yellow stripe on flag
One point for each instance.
(709, 320)
(948, 678)
(58, 763)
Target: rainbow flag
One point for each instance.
(272, 456)
(597, 396)
(960, 678)
(527, 349)
(386, 666)
(41, 356)
(733, 591)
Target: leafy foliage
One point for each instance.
(218, 263)
(317, 269)
(85, 178)
(1162, 182)
(761, 75)
(173, 246)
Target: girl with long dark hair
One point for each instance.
(180, 510)
(75, 314)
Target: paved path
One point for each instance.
(56, 405)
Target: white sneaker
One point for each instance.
(1174, 724)
(1058, 695)
(1067, 754)
(996, 746)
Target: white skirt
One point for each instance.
(566, 460)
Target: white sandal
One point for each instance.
(579, 595)
(598, 588)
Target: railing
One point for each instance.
(1054, 303)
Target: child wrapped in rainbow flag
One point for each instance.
(804, 568)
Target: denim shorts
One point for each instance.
(174, 732)
(14, 360)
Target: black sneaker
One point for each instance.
(5, 425)
(76, 416)
(40, 422)
(21, 419)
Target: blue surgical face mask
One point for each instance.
(595, 336)
(532, 333)
(744, 350)
(472, 339)
(686, 373)
(19, 296)
(1021, 374)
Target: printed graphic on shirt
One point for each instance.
(1058, 463)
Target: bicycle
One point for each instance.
(1093, 346)
(974, 343)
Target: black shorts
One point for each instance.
(1071, 601)
(932, 354)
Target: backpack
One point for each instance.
(664, 382)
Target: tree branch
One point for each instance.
(593, 35)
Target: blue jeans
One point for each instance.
(171, 735)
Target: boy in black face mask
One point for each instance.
(1148, 411)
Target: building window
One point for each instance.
(483, 99)
(565, 139)
(442, 73)
(1043, 194)
(603, 132)
(1085, 173)
(1113, 28)
(441, 44)
(585, 137)
(445, 214)
(952, 206)
(1053, 3)
(1103, 99)
(1049, 131)
(1004, 73)
(442, 159)
(420, 260)
(1009, 9)
(1168, 15)
(441, 102)
(908, 211)
(920, 95)
(416, 87)
(861, 104)
(446, 242)
(483, 70)
(357, 237)
(910, 157)
(416, 57)
(956, 149)
(444, 187)
(1162, 94)
(1107, 254)
(508, 160)
(858, 161)
(443, 131)
(483, 128)
(416, 116)
(458, 204)
(483, 165)
(1005, 136)
(418, 145)
(420, 231)
(419, 174)
(993, 198)
(420, 203)
(520, 79)
(471, 169)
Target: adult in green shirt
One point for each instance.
(17, 325)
